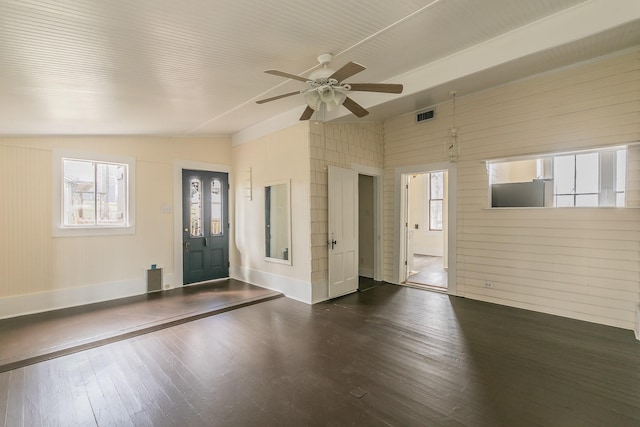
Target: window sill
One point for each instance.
(94, 231)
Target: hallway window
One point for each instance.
(436, 195)
(590, 178)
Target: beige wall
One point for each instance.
(580, 263)
(278, 157)
(341, 145)
(425, 242)
(33, 263)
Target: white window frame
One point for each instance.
(58, 228)
(546, 171)
(430, 199)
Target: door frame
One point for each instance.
(377, 175)
(399, 235)
(178, 166)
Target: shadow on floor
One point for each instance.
(366, 283)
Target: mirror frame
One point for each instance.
(287, 184)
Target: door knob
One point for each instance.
(186, 247)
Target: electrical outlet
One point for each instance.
(488, 285)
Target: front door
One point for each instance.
(343, 231)
(205, 231)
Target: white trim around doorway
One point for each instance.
(398, 203)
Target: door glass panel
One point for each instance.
(216, 207)
(195, 208)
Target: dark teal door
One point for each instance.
(205, 231)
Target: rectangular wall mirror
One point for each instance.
(277, 212)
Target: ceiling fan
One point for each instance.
(326, 88)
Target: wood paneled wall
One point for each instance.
(32, 262)
(582, 263)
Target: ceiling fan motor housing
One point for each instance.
(327, 90)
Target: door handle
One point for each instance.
(206, 242)
(186, 247)
(332, 243)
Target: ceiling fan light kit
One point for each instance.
(326, 88)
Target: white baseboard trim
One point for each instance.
(637, 330)
(69, 297)
(298, 290)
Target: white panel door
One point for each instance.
(343, 231)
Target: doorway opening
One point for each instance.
(426, 214)
(426, 230)
(367, 236)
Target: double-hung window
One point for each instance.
(436, 199)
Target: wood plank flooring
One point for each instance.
(428, 270)
(389, 356)
(34, 338)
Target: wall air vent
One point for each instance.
(426, 115)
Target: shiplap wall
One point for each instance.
(32, 262)
(581, 263)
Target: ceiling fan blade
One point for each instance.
(349, 69)
(287, 75)
(308, 112)
(273, 98)
(354, 107)
(376, 87)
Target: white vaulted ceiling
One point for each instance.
(195, 67)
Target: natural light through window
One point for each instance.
(436, 195)
(595, 178)
(93, 194)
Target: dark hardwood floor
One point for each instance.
(389, 356)
(30, 339)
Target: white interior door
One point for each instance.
(343, 231)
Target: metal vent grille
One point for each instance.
(425, 115)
